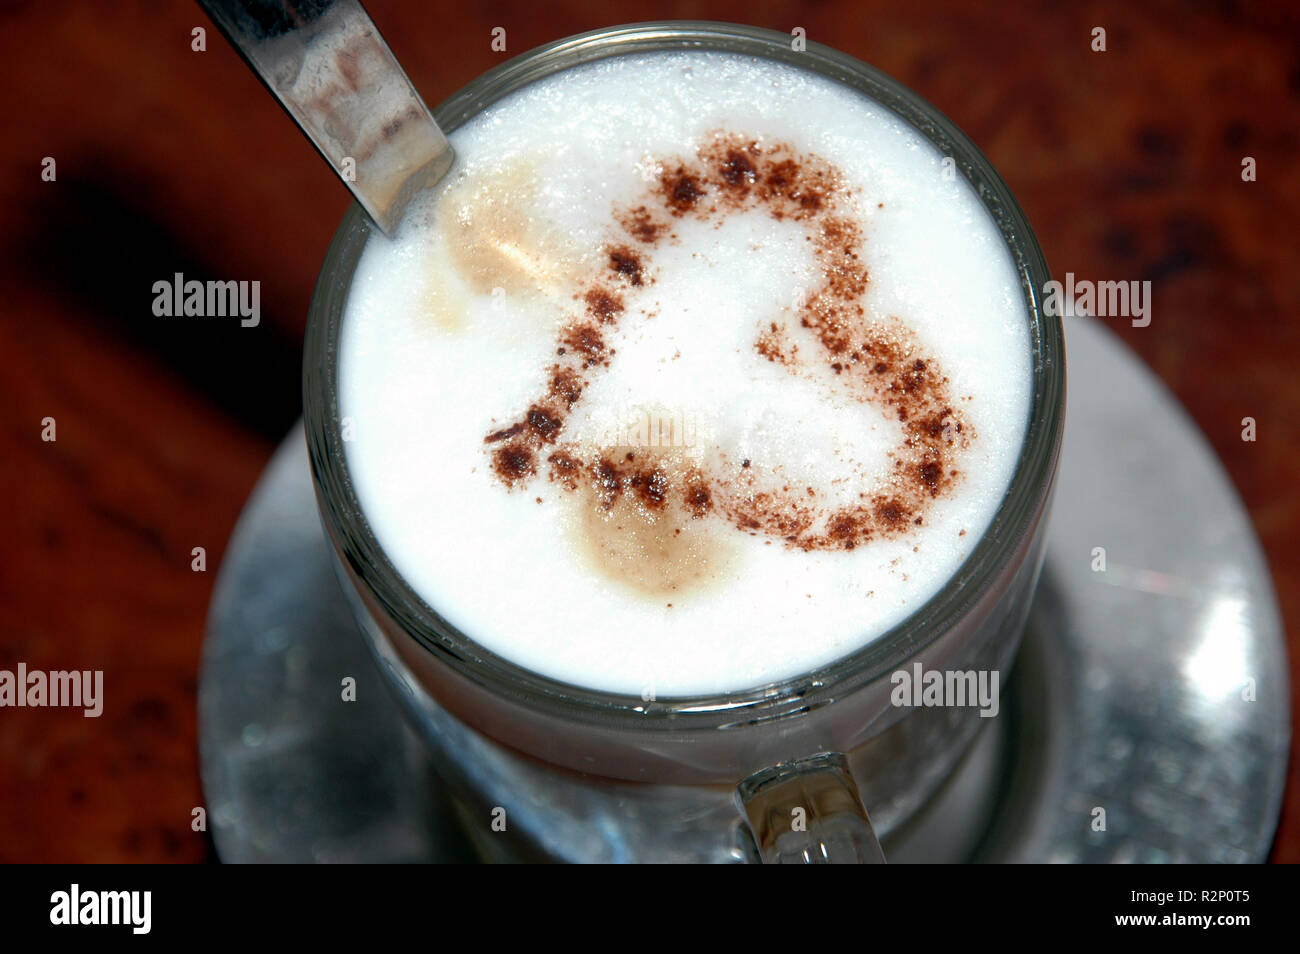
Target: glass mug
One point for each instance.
(798, 756)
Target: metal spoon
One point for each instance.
(326, 63)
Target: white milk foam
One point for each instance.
(432, 361)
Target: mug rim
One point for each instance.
(1015, 517)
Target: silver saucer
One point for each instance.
(1147, 719)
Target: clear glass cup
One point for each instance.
(803, 748)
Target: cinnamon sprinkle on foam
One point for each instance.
(878, 359)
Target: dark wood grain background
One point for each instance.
(1127, 162)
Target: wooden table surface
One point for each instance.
(1128, 163)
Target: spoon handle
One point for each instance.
(327, 64)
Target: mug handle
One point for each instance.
(808, 811)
